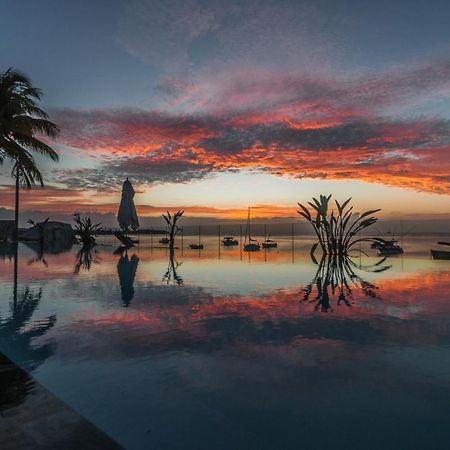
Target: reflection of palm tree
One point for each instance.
(85, 257)
(171, 273)
(18, 331)
(126, 269)
(336, 276)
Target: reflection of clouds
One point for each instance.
(187, 318)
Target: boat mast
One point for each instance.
(249, 232)
(248, 220)
(246, 226)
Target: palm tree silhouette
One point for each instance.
(20, 120)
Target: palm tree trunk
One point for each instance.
(16, 213)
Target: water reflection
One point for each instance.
(335, 277)
(85, 257)
(172, 274)
(18, 329)
(48, 248)
(7, 250)
(126, 269)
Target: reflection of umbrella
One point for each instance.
(127, 216)
(126, 268)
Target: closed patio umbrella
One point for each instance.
(127, 216)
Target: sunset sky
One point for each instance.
(212, 106)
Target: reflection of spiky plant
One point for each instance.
(171, 273)
(85, 257)
(86, 229)
(336, 232)
(335, 277)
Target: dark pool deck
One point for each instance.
(32, 418)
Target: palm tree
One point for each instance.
(20, 120)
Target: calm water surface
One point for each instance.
(220, 349)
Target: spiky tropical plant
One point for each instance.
(336, 231)
(20, 121)
(40, 226)
(86, 229)
(172, 225)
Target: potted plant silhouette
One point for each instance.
(336, 231)
(86, 230)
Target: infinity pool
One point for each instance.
(219, 349)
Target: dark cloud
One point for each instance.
(283, 124)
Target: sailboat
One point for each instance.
(198, 246)
(253, 244)
(269, 243)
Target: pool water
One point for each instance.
(221, 349)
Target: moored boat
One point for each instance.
(268, 243)
(196, 246)
(390, 250)
(441, 254)
(381, 243)
(252, 245)
(228, 241)
(199, 245)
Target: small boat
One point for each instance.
(164, 240)
(441, 254)
(381, 243)
(252, 245)
(228, 241)
(269, 243)
(196, 246)
(390, 250)
(199, 245)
